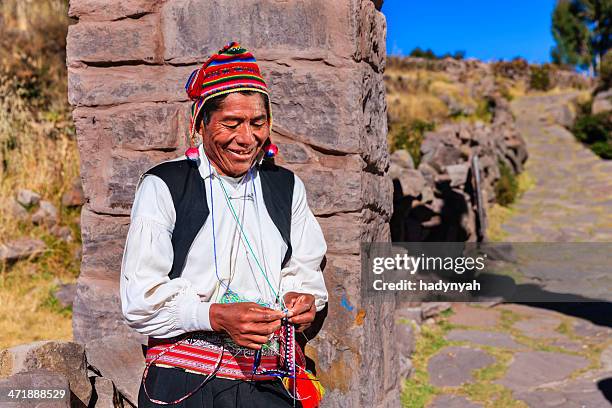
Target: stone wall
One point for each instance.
(517, 70)
(324, 61)
(438, 198)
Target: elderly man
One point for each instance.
(221, 265)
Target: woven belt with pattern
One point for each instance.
(200, 352)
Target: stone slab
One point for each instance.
(342, 232)
(37, 380)
(101, 10)
(465, 315)
(585, 328)
(97, 311)
(59, 357)
(539, 327)
(103, 242)
(532, 369)
(21, 248)
(581, 393)
(124, 369)
(267, 28)
(103, 86)
(452, 401)
(110, 177)
(485, 338)
(331, 95)
(452, 366)
(141, 127)
(342, 191)
(126, 40)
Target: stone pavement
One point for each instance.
(520, 356)
(572, 197)
(568, 211)
(514, 355)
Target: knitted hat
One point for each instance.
(232, 69)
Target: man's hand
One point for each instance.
(302, 309)
(248, 324)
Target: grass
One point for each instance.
(425, 96)
(506, 187)
(29, 311)
(492, 395)
(498, 214)
(410, 137)
(420, 96)
(484, 389)
(417, 392)
(38, 151)
(595, 131)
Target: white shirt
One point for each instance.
(157, 306)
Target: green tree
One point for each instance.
(582, 30)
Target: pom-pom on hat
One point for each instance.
(232, 69)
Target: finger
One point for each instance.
(253, 346)
(301, 309)
(263, 314)
(292, 300)
(264, 329)
(244, 341)
(255, 338)
(302, 305)
(289, 301)
(303, 318)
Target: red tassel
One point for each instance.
(307, 388)
(271, 150)
(192, 153)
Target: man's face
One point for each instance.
(236, 133)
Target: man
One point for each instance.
(221, 251)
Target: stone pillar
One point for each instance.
(323, 60)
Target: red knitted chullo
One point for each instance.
(232, 69)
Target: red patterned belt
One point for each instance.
(209, 352)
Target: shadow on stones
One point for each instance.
(454, 209)
(596, 311)
(605, 386)
(94, 394)
(599, 313)
(504, 289)
(409, 221)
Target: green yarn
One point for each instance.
(247, 240)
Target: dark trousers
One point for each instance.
(170, 384)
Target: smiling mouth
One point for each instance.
(242, 154)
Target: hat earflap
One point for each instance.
(192, 152)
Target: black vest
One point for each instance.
(188, 192)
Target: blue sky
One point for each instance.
(484, 29)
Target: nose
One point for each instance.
(245, 135)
